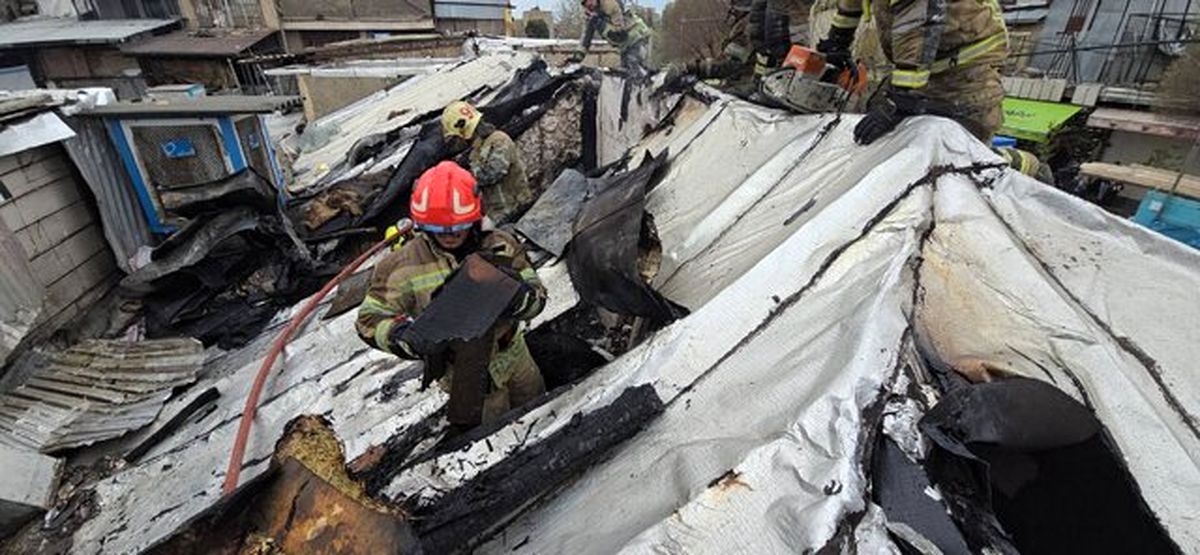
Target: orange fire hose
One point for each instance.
(239, 445)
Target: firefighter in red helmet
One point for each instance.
(447, 214)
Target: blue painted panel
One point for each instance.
(232, 146)
(275, 169)
(1173, 216)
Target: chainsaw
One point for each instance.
(807, 84)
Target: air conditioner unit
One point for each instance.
(164, 153)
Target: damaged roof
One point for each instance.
(818, 274)
(387, 111)
(94, 391)
(32, 32)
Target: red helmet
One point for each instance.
(445, 199)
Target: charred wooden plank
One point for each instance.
(463, 517)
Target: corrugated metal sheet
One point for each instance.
(185, 44)
(95, 391)
(44, 32)
(123, 221)
(42, 129)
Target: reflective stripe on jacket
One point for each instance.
(927, 37)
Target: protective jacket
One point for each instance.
(403, 285)
(949, 51)
(619, 25)
(496, 164)
(1027, 163)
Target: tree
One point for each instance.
(694, 29)
(1179, 90)
(569, 19)
(537, 29)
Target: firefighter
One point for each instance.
(773, 27)
(446, 211)
(622, 28)
(494, 159)
(946, 56)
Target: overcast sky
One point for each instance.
(522, 5)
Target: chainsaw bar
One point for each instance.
(802, 93)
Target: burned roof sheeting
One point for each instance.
(398, 107)
(814, 268)
(802, 273)
(95, 391)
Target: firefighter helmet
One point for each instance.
(445, 199)
(460, 119)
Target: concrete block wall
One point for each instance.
(27, 486)
(46, 208)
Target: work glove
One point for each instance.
(525, 298)
(836, 48)
(617, 37)
(397, 343)
(886, 113)
(576, 57)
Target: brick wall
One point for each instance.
(47, 210)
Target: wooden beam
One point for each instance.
(1147, 123)
(1144, 176)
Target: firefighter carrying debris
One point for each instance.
(622, 28)
(494, 158)
(445, 208)
(946, 55)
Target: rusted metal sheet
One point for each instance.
(97, 390)
(306, 502)
(306, 514)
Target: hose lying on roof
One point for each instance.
(239, 445)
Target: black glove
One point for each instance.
(576, 57)
(397, 344)
(885, 114)
(617, 37)
(521, 301)
(836, 48)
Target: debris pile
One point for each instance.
(94, 391)
(816, 325)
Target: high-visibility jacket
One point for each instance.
(403, 283)
(924, 38)
(610, 20)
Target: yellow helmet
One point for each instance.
(459, 119)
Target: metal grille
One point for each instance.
(207, 164)
(1155, 40)
(253, 146)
